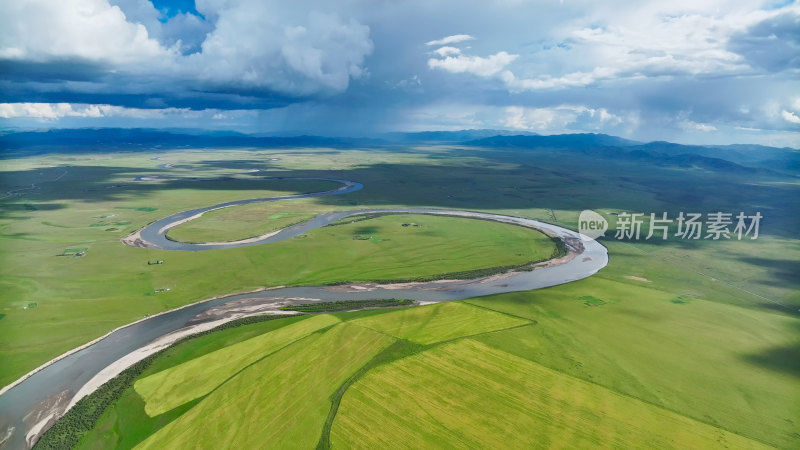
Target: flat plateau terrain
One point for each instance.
(675, 344)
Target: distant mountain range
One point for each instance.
(731, 158)
(144, 138)
(454, 137)
(734, 158)
(553, 141)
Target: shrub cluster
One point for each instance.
(347, 305)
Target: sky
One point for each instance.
(688, 71)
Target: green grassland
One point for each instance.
(80, 298)
(439, 322)
(468, 395)
(245, 221)
(573, 375)
(234, 415)
(697, 333)
(193, 379)
(725, 366)
(124, 423)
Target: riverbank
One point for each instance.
(84, 369)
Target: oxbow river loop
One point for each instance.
(30, 405)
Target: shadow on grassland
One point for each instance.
(451, 177)
(785, 359)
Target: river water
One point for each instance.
(65, 377)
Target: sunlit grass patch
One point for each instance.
(439, 322)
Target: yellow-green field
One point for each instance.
(439, 322)
(673, 344)
(582, 372)
(193, 379)
(706, 360)
(281, 400)
(468, 395)
(125, 423)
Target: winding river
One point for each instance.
(33, 403)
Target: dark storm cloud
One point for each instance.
(773, 44)
(663, 70)
(135, 98)
(73, 69)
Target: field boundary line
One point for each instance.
(610, 389)
(234, 375)
(324, 442)
(467, 301)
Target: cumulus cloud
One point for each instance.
(559, 118)
(689, 125)
(37, 110)
(732, 63)
(454, 39)
(575, 79)
(778, 114)
(53, 111)
(790, 117)
(319, 53)
(251, 46)
(654, 40)
(690, 44)
(184, 30)
(520, 118)
(42, 30)
(453, 60)
(476, 65)
(327, 50)
(447, 51)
